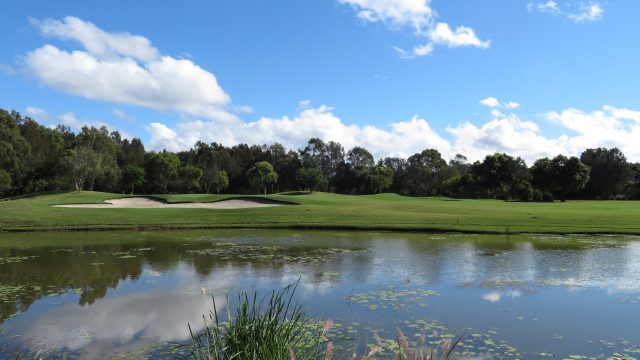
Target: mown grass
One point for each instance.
(331, 211)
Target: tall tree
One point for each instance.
(380, 179)
(14, 149)
(219, 181)
(310, 178)
(190, 177)
(162, 169)
(503, 176)
(261, 175)
(5, 182)
(569, 174)
(86, 167)
(132, 177)
(424, 172)
(609, 172)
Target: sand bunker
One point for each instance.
(146, 203)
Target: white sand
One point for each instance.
(146, 203)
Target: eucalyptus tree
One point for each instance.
(261, 175)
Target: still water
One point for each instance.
(132, 294)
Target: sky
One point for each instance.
(531, 78)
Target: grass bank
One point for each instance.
(330, 211)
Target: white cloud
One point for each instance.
(462, 36)
(507, 134)
(127, 69)
(97, 41)
(400, 139)
(76, 124)
(588, 13)
(490, 102)
(70, 119)
(585, 12)
(495, 103)
(122, 115)
(549, 6)
(36, 113)
(244, 109)
(418, 15)
(609, 127)
(511, 105)
(414, 13)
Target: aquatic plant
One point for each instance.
(276, 328)
(270, 328)
(40, 355)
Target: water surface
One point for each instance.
(129, 294)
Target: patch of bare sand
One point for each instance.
(146, 203)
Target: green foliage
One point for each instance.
(38, 158)
(271, 328)
(132, 177)
(261, 175)
(219, 181)
(424, 172)
(310, 178)
(560, 175)
(504, 177)
(162, 169)
(609, 172)
(5, 182)
(86, 165)
(380, 179)
(190, 177)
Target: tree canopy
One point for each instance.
(36, 158)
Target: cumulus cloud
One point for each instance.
(609, 127)
(402, 138)
(490, 102)
(421, 18)
(577, 12)
(504, 132)
(71, 120)
(124, 68)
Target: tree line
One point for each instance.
(35, 158)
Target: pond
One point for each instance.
(132, 294)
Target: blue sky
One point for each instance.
(395, 76)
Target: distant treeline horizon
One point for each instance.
(35, 158)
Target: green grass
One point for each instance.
(331, 211)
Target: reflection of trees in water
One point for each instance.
(92, 270)
(53, 272)
(476, 260)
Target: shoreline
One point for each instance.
(417, 230)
